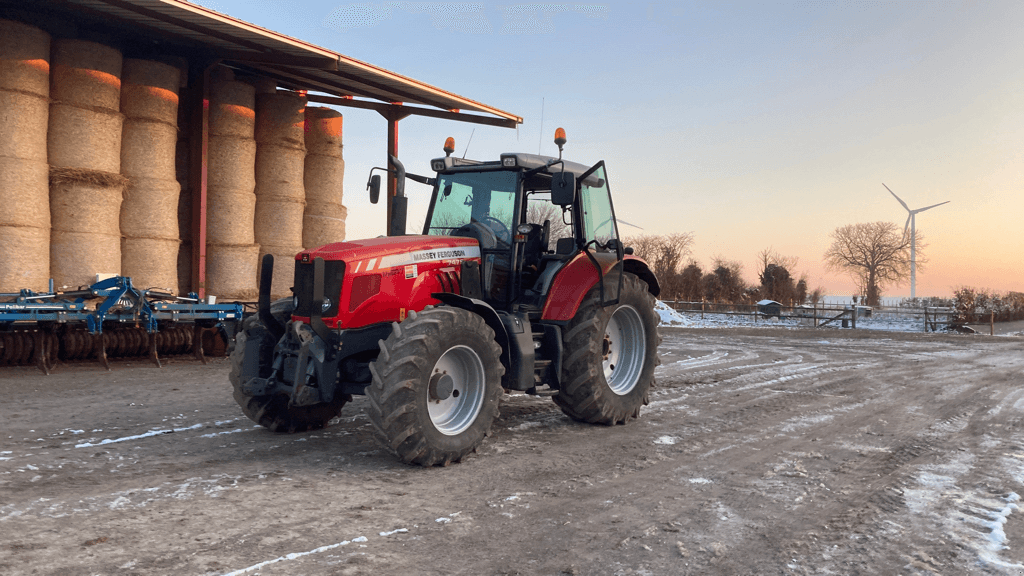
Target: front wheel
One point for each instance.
(436, 386)
(610, 355)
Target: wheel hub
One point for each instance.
(623, 350)
(455, 391)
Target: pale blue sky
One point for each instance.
(749, 124)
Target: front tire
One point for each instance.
(436, 386)
(272, 411)
(610, 356)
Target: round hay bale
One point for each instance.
(264, 85)
(323, 178)
(281, 119)
(231, 271)
(86, 74)
(278, 222)
(323, 131)
(284, 268)
(151, 262)
(185, 267)
(148, 149)
(323, 224)
(280, 172)
(150, 209)
(24, 58)
(231, 163)
(149, 90)
(81, 138)
(24, 193)
(23, 122)
(232, 109)
(24, 259)
(86, 207)
(229, 216)
(77, 257)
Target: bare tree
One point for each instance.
(666, 255)
(875, 254)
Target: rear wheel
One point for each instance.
(610, 355)
(436, 386)
(272, 411)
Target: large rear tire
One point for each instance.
(272, 411)
(610, 355)
(436, 386)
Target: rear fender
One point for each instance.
(576, 278)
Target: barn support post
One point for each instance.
(393, 115)
(199, 139)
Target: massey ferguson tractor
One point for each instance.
(435, 328)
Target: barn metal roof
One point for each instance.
(293, 63)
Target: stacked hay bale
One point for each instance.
(231, 254)
(24, 188)
(323, 221)
(149, 213)
(84, 150)
(280, 195)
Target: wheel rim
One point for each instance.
(624, 348)
(461, 370)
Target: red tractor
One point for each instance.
(434, 328)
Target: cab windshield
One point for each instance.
(475, 204)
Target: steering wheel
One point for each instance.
(498, 228)
(476, 229)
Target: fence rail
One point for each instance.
(930, 319)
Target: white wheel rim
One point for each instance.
(457, 412)
(624, 349)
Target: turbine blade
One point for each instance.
(900, 200)
(930, 207)
(621, 221)
(907, 225)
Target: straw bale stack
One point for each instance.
(86, 74)
(280, 157)
(149, 214)
(324, 173)
(323, 223)
(24, 58)
(284, 268)
(25, 258)
(231, 202)
(149, 90)
(24, 173)
(85, 239)
(231, 271)
(151, 262)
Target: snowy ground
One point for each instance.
(884, 322)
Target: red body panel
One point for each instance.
(573, 282)
(410, 269)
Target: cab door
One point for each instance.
(599, 229)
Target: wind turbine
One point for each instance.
(911, 221)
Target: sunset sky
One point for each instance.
(751, 125)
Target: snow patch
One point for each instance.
(666, 440)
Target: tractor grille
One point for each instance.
(334, 273)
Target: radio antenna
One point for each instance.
(467, 143)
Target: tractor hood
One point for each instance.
(391, 251)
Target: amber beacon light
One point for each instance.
(449, 146)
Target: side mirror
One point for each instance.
(374, 187)
(563, 188)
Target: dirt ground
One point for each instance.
(765, 451)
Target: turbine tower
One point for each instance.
(911, 221)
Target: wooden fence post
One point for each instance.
(992, 323)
